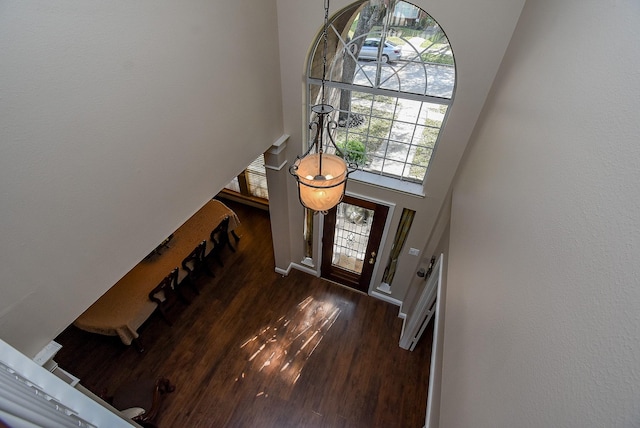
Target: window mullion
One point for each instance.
(242, 181)
(380, 91)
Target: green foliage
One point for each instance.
(353, 151)
(379, 127)
(408, 33)
(437, 58)
(424, 150)
(437, 50)
(426, 22)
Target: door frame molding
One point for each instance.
(318, 226)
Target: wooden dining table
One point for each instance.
(126, 306)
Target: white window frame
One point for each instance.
(400, 182)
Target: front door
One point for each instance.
(351, 241)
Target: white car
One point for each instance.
(390, 52)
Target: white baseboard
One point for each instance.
(385, 297)
(306, 269)
(283, 272)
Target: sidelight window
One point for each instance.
(252, 181)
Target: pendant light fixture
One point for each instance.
(321, 176)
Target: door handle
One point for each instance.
(372, 260)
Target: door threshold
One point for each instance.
(345, 286)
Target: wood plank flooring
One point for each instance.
(256, 349)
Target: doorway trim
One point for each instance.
(384, 250)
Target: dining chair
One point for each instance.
(141, 400)
(219, 238)
(194, 264)
(164, 294)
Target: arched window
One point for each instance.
(390, 75)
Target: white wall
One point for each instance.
(479, 34)
(118, 120)
(542, 326)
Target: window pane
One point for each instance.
(257, 178)
(410, 30)
(233, 185)
(421, 158)
(397, 151)
(393, 168)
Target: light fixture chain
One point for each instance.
(320, 188)
(325, 48)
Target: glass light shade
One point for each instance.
(321, 190)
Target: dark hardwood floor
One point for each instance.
(256, 349)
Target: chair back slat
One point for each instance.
(164, 294)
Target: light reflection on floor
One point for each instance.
(283, 348)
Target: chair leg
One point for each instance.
(180, 292)
(208, 271)
(192, 284)
(137, 342)
(165, 316)
(216, 256)
(164, 386)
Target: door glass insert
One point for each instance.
(351, 237)
(353, 227)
